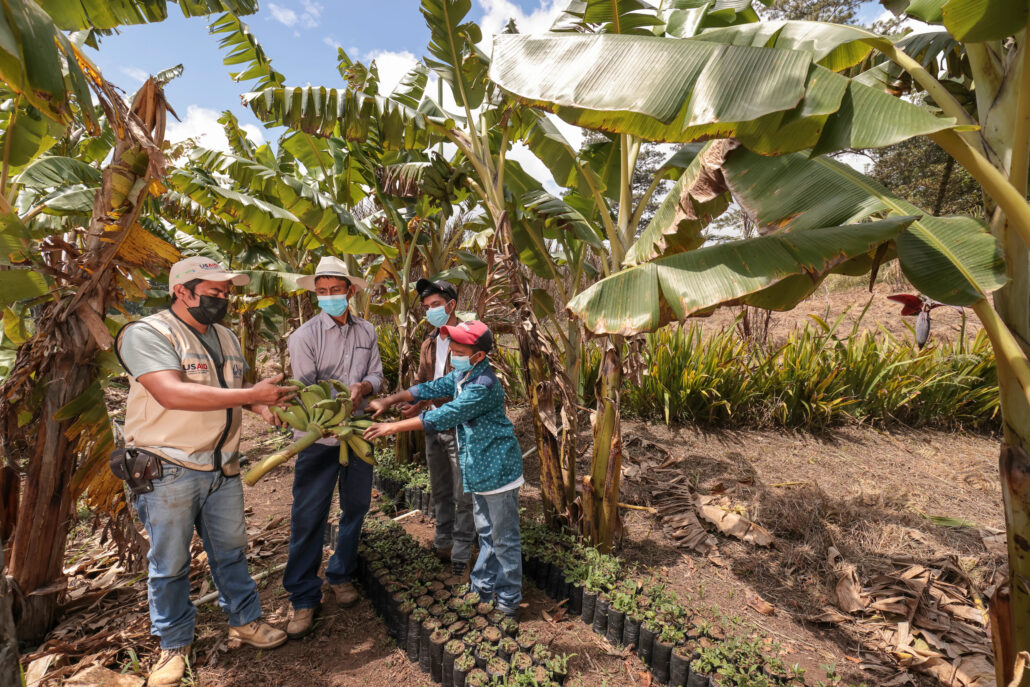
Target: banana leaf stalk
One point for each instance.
(276, 459)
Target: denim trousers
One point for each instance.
(212, 504)
(498, 570)
(455, 526)
(317, 475)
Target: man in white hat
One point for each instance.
(335, 344)
(182, 422)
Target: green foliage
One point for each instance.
(816, 378)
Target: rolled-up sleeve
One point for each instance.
(472, 402)
(374, 374)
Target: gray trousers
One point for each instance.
(455, 526)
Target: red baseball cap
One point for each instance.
(471, 333)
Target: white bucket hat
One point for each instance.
(330, 267)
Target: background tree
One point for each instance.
(919, 171)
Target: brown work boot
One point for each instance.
(443, 555)
(346, 594)
(170, 667)
(301, 622)
(258, 634)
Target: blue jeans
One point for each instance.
(318, 471)
(455, 526)
(211, 503)
(498, 570)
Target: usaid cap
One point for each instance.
(199, 267)
(471, 333)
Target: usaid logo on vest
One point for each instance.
(237, 370)
(195, 368)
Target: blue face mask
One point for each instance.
(437, 316)
(460, 362)
(334, 305)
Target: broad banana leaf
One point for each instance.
(40, 63)
(244, 49)
(412, 86)
(56, 171)
(774, 101)
(70, 200)
(19, 284)
(452, 42)
(73, 15)
(267, 218)
(953, 260)
(14, 240)
(618, 16)
(557, 213)
(347, 114)
(696, 197)
(26, 133)
(239, 143)
(968, 20)
(685, 18)
(775, 272)
(834, 46)
(975, 21)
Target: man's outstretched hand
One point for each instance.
(268, 393)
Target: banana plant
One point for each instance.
(784, 95)
(344, 152)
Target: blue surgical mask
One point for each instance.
(334, 305)
(460, 362)
(437, 316)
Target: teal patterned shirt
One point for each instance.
(488, 452)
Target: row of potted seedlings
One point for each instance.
(402, 485)
(681, 647)
(456, 637)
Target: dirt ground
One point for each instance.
(849, 296)
(866, 492)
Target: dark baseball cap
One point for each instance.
(425, 287)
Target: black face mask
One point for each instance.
(210, 310)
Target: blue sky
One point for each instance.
(301, 37)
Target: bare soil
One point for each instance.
(864, 491)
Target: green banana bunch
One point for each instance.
(318, 414)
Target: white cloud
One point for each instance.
(392, 66)
(202, 124)
(312, 9)
(331, 42)
(496, 14)
(532, 165)
(135, 73)
(283, 15)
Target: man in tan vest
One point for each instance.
(186, 394)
